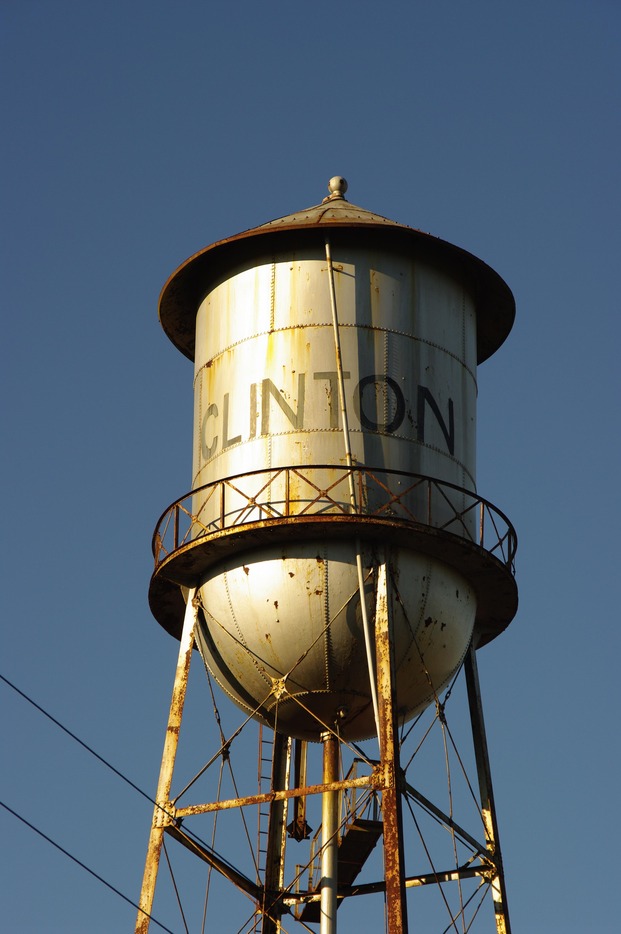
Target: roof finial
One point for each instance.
(337, 186)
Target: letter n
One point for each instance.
(425, 398)
(268, 389)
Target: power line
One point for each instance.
(77, 739)
(88, 748)
(82, 865)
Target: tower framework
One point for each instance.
(332, 591)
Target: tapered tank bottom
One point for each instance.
(281, 631)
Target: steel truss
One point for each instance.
(374, 797)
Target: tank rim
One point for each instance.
(185, 288)
(493, 581)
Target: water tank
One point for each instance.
(335, 356)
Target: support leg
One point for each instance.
(160, 811)
(488, 809)
(394, 868)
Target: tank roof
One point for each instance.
(335, 209)
(186, 287)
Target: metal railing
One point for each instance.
(295, 492)
(355, 803)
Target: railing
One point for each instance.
(355, 803)
(295, 492)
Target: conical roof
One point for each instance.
(335, 209)
(185, 289)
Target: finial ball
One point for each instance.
(337, 185)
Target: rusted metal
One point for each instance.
(349, 225)
(298, 828)
(212, 859)
(383, 501)
(394, 857)
(271, 906)
(488, 809)
(162, 810)
(449, 822)
(487, 563)
(253, 312)
(374, 888)
(374, 780)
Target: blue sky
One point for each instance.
(135, 134)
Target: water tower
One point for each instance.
(333, 563)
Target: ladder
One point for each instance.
(264, 780)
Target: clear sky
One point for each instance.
(136, 133)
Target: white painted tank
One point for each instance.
(281, 624)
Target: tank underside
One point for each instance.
(281, 624)
(282, 632)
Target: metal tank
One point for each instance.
(335, 356)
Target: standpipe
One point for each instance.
(352, 490)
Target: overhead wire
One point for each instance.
(140, 791)
(77, 739)
(113, 769)
(83, 866)
(174, 882)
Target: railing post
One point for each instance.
(287, 491)
(176, 526)
(482, 524)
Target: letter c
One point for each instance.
(208, 450)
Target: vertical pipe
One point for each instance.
(329, 835)
(488, 809)
(287, 492)
(394, 857)
(339, 368)
(366, 628)
(162, 795)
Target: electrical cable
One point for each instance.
(77, 739)
(88, 748)
(83, 865)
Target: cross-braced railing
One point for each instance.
(301, 492)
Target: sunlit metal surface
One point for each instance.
(334, 536)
